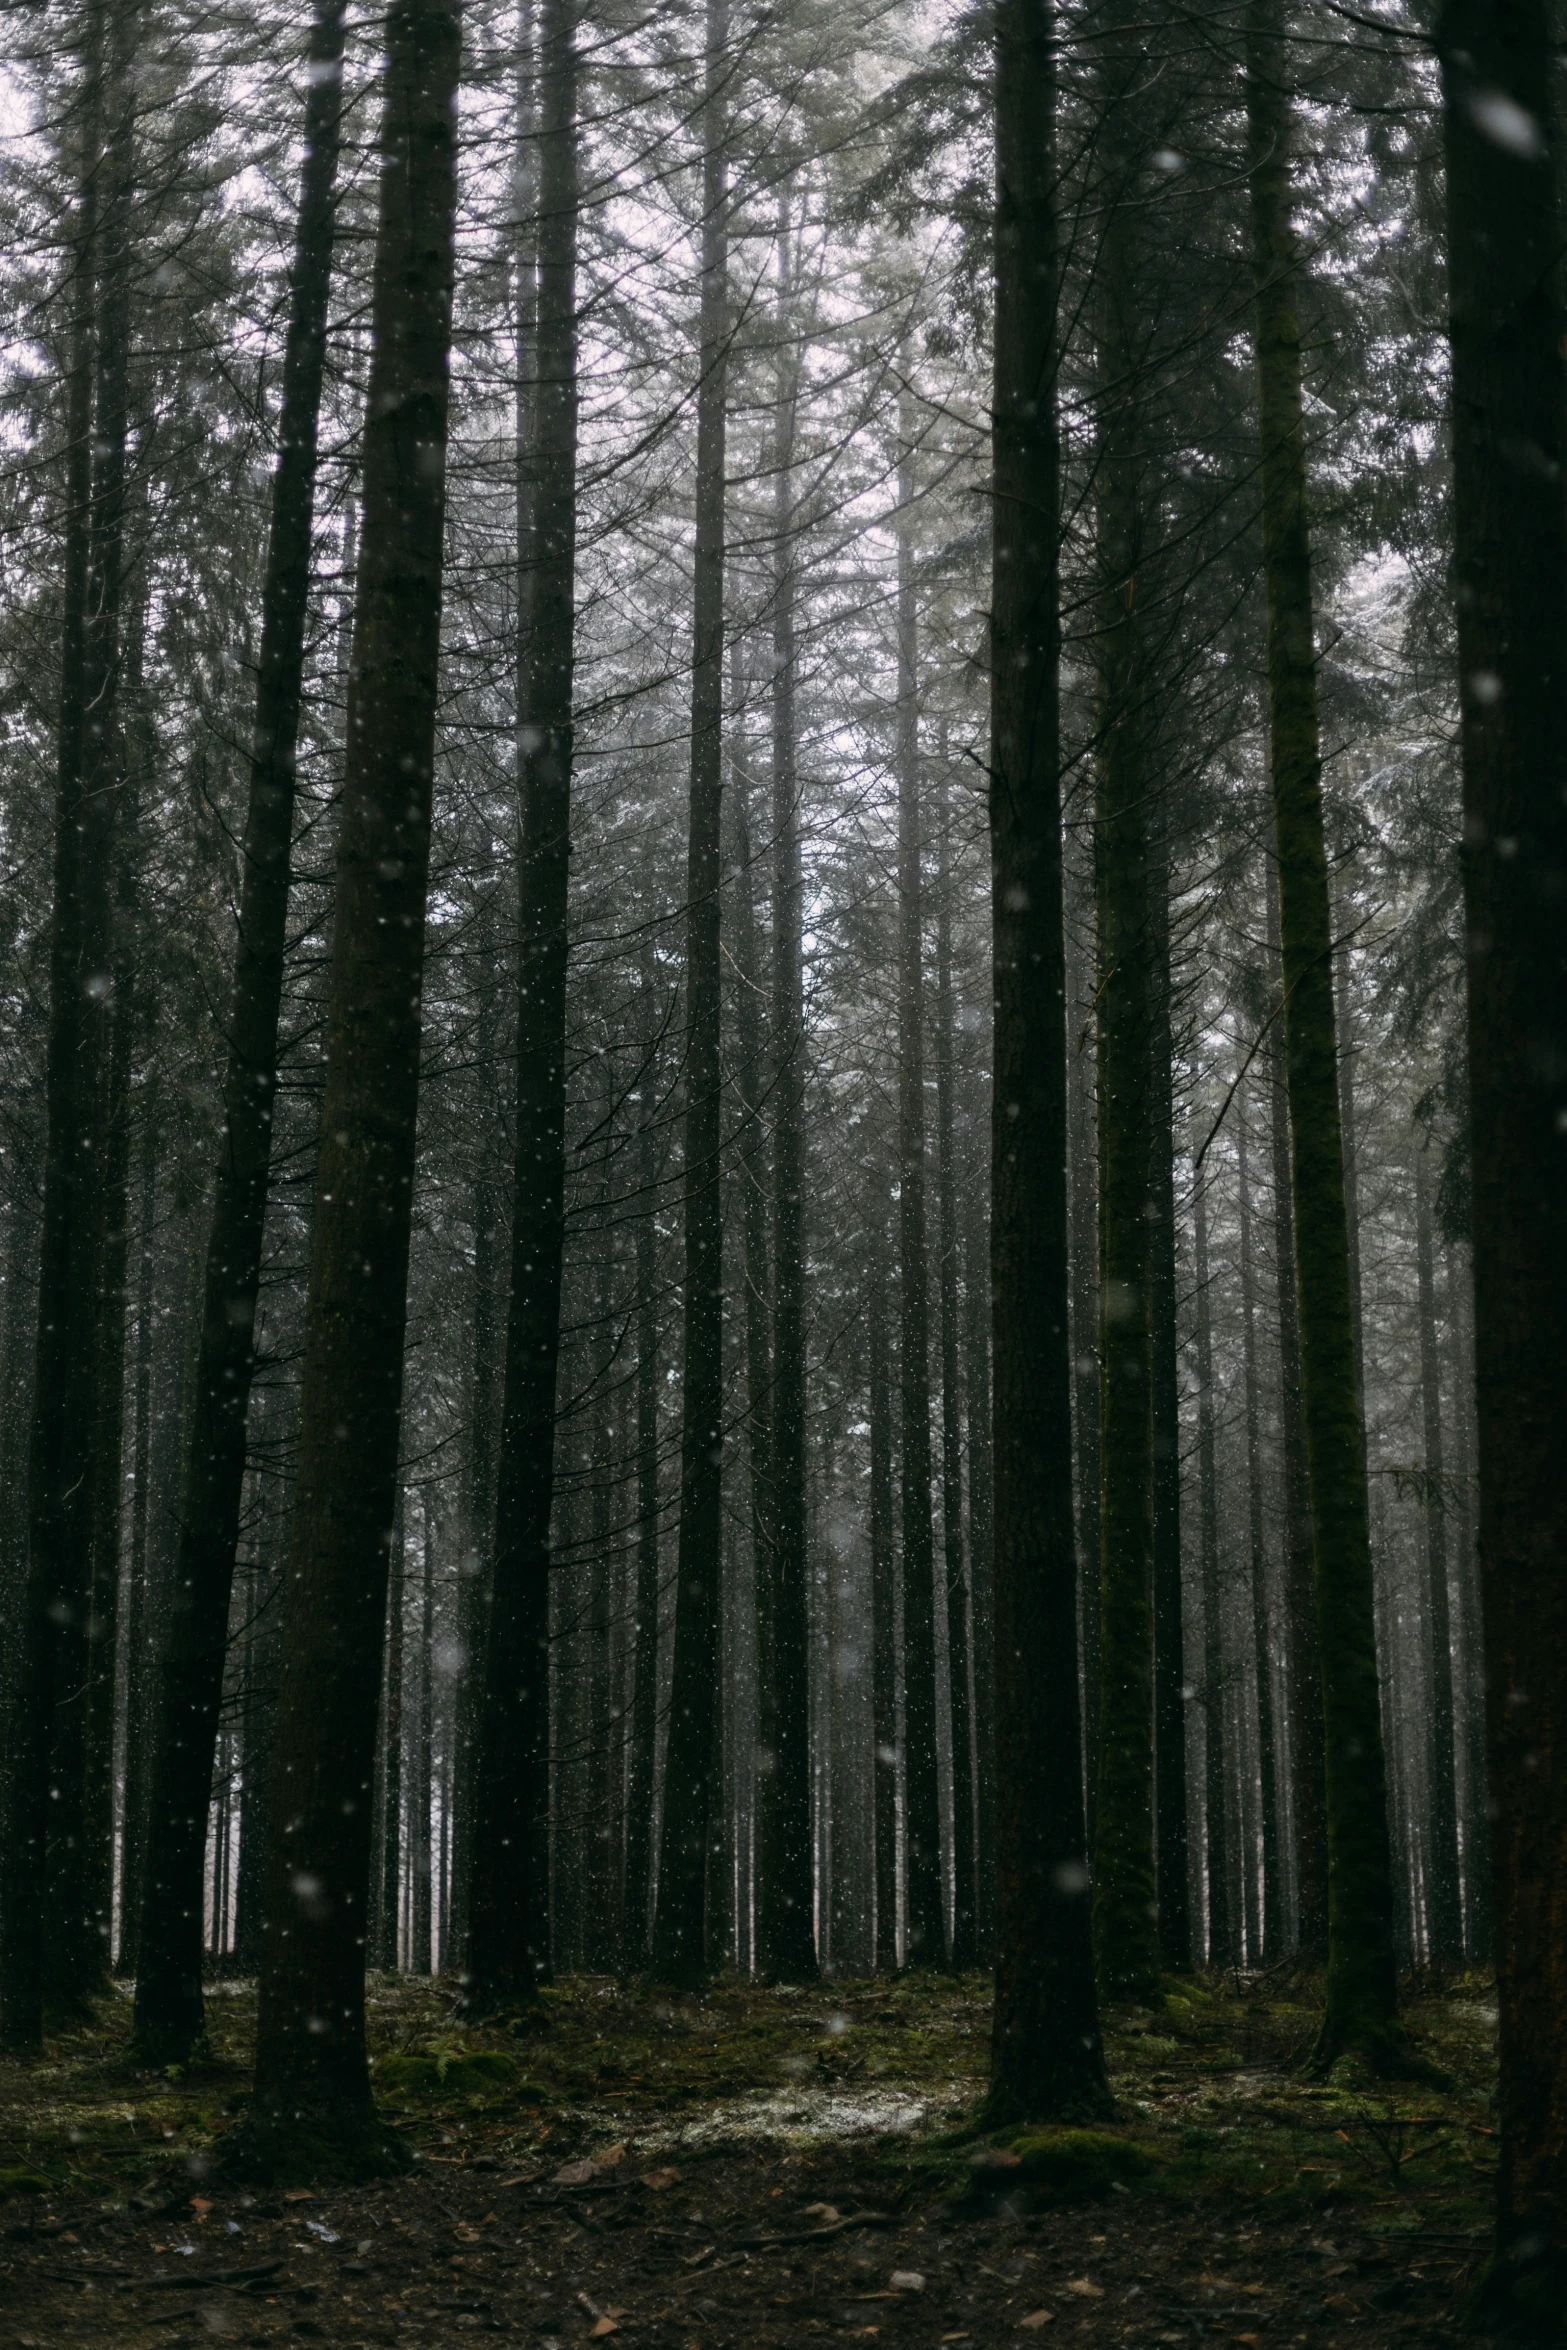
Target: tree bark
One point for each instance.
(1362, 1985)
(1272, 1888)
(508, 1953)
(884, 1652)
(1311, 1834)
(1126, 1938)
(1171, 1833)
(1503, 235)
(1444, 1889)
(312, 2095)
(787, 1888)
(1047, 2059)
(926, 1899)
(965, 1908)
(644, 1698)
(681, 1953)
(168, 2019)
(1221, 1935)
(41, 1921)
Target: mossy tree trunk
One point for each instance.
(1500, 68)
(1444, 1894)
(312, 2104)
(1047, 2059)
(1362, 1988)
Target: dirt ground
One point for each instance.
(759, 2167)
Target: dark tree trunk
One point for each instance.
(1170, 1821)
(754, 1772)
(390, 1890)
(644, 1698)
(508, 1953)
(1362, 1983)
(41, 1901)
(139, 1614)
(109, 1461)
(1504, 236)
(1444, 1890)
(420, 1854)
(1126, 1938)
(1261, 1619)
(965, 1913)
(1047, 2060)
(786, 1887)
(922, 1820)
(1221, 1938)
(691, 1813)
(1311, 1835)
(312, 2095)
(976, 1387)
(168, 2014)
(1083, 1155)
(884, 1646)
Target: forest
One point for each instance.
(783, 1171)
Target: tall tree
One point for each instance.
(690, 1815)
(169, 2019)
(1362, 1985)
(922, 1819)
(312, 2102)
(1126, 1939)
(1257, 1565)
(1504, 239)
(1047, 2058)
(787, 1890)
(965, 1905)
(508, 1951)
(1221, 1937)
(42, 1923)
(1444, 1891)
(1171, 1832)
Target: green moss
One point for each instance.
(453, 2073)
(24, 2182)
(1073, 2166)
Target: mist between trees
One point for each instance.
(743, 1216)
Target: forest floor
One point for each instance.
(762, 2167)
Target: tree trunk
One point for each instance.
(1362, 1984)
(168, 2015)
(508, 1953)
(926, 1924)
(976, 1389)
(312, 2096)
(420, 1852)
(139, 1614)
(1083, 1156)
(1221, 1937)
(1503, 234)
(41, 1921)
(691, 1813)
(1170, 1821)
(786, 1886)
(1047, 2060)
(1444, 1890)
(1261, 1620)
(390, 1891)
(884, 1648)
(644, 1699)
(965, 1912)
(1126, 1937)
(1311, 1844)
